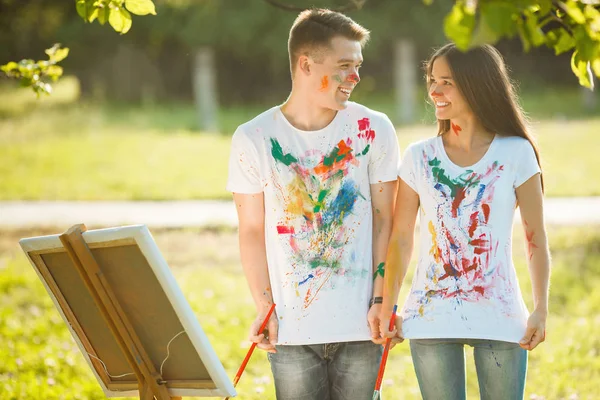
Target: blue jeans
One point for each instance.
(334, 371)
(440, 368)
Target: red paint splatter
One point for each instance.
(354, 78)
(282, 230)
(486, 212)
(479, 289)
(530, 244)
(455, 128)
(364, 124)
(460, 196)
(474, 221)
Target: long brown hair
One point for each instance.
(482, 78)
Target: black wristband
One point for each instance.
(375, 300)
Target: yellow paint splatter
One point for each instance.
(435, 251)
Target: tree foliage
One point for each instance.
(36, 75)
(569, 25)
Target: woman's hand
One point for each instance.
(536, 330)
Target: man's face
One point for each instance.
(336, 76)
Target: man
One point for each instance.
(314, 182)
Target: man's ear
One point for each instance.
(305, 65)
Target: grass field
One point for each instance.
(60, 149)
(39, 360)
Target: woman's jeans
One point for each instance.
(440, 368)
(333, 371)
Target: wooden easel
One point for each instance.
(151, 384)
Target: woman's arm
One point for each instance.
(531, 204)
(398, 255)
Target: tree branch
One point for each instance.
(352, 5)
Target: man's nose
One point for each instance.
(353, 77)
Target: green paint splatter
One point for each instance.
(337, 78)
(277, 152)
(379, 271)
(465, 180)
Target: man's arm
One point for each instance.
(383, 196)
(251, 215)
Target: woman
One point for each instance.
(467, 182)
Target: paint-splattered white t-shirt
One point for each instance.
(465, 285)
(318, 216)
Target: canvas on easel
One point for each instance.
(127, 314)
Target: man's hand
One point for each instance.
(373, 320)
(267, 339)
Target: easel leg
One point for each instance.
(145, 392)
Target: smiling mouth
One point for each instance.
(345, 91)
(441, 104)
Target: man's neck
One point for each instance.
(304, 114)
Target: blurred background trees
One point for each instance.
(156, 60)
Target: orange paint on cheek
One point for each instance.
(324, 84)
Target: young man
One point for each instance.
(314, 182)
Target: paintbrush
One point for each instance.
(384, 357)
(251, 349)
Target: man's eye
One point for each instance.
(344, 66)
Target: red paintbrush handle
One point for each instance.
(386, 350)
(243, 366)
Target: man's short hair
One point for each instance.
(313, 30)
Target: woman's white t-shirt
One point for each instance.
(465, 285)
(318, 215)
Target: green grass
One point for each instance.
(60, 149)
(39, 359)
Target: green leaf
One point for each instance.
(8, 67)
(587, 48)
(54, 72)
(545, 6)
(581, 70)
(500, 17)
(459, 25)
(59, 55)
(103, 15)
(565, 41)
(140, 7)
(81, 7)
(596, 66)
(495, 21)
(92, 14)
(534, 32)
(573, 10)
(120, 20)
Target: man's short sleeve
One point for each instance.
(244, 167)
(407, 168)
(384, 159)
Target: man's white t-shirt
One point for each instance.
(318, 215)
(465, 285)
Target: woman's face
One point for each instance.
(449, 102)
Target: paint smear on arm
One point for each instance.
(529, 234)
